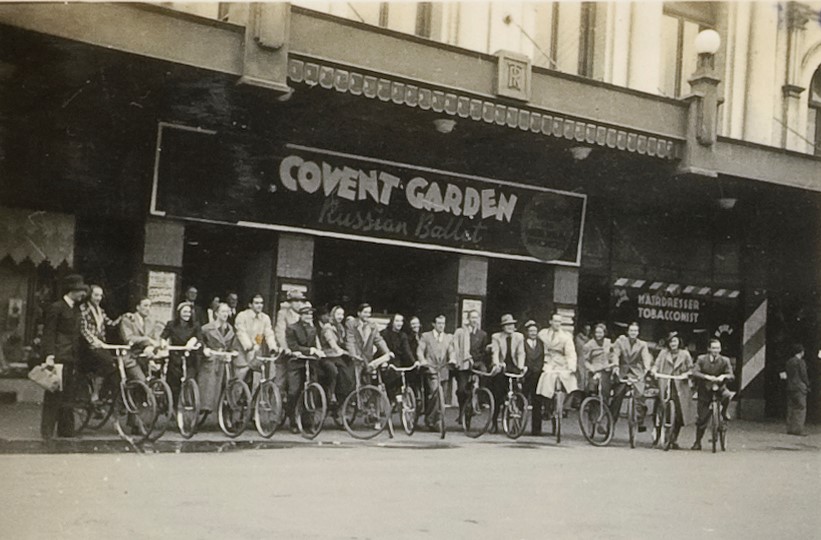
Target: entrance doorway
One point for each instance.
(389, 278)
(219, 259)
(525, 290)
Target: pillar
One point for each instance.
(645, 34)
(163, 243)
(295, 263)
(566, 293)
(471, 287)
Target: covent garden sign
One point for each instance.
(326, 193)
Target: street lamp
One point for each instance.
(704, 85)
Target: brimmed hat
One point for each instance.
(294, 294)
(507, 319)
(307, 308)
(532, 323)
(74, 282)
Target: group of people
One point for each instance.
(77, 326)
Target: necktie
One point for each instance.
(509, 354)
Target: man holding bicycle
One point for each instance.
(302, 338)
(469, 344)
(254, 329)
(433, 353)
(634, 360)
(508, 347)
(711, 368)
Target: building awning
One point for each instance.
(37, 236)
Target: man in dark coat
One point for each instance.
(711, 368)
(61, 345)
(798, 385)
(534, 362)
(301, 338)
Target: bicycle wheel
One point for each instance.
(135, 410)
(188, 408)
(165, 408)
(558, 410)
(234, 408)
(715, 418)
(366, 412)
(267, 409)
(631, 421)
(102, 409)
(595, 422)
(421, 403)
(408, 411)
(478, 413)
(669, 416)
(81, 408)
(311, 410)
(514, 419)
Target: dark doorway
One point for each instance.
(222, 259)
(522, 289)
(390, 278)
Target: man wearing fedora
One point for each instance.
(534, 362)
(508, 347)
(61, 345)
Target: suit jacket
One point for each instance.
(61, 332)
(138, 331)
(435, 353)
(467, 345)
(534, 356)
(254, 329)
(301, 337)
(703, 365)
(797, 380)
(285, 318)
(633, 359)
(360, 346)
(517, 353)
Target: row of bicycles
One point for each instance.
(144, 410)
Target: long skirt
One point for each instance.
(209, 380)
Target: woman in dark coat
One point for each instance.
(179, 332)
(332, 339)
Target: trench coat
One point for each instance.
(679, 364)
(559, 354)
(633, 359)
(211, 371)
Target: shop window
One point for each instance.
(815, 112)
(681, 23)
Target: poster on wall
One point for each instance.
(296, 188)
(161, 292)
(468, 305)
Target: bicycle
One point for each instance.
(718, 423)
(235, 398)
(664, 416)
(188, 402)
(156, 381)
(558, 403)
(95, 414)
(595, 419)
(267, 401)
(514, 417)
(479, 405)
(369, 403)
(632, 419)
(135, 406)
(311, 404)
(406, 400)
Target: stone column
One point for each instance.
(472, 284)
(163, 245)
(295, 262)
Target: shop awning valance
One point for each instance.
(37, 236)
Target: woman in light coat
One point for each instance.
(675, 360)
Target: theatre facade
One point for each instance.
(448, 181)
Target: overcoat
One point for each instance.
(678, 364)
(211, 370)
(559, 354)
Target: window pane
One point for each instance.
(689, 58)
(669, 55)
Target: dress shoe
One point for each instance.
(675, 446)
(642, 428)
(295, 430)
(493, 428)
(696, 446)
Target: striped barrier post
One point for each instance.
(753, 356)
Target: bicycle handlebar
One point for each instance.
(628, 380)
(183, 348)
(608, 367)
(567, 371)
(404, 369)
(516, 375)
(672, 377)
(108, 347)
